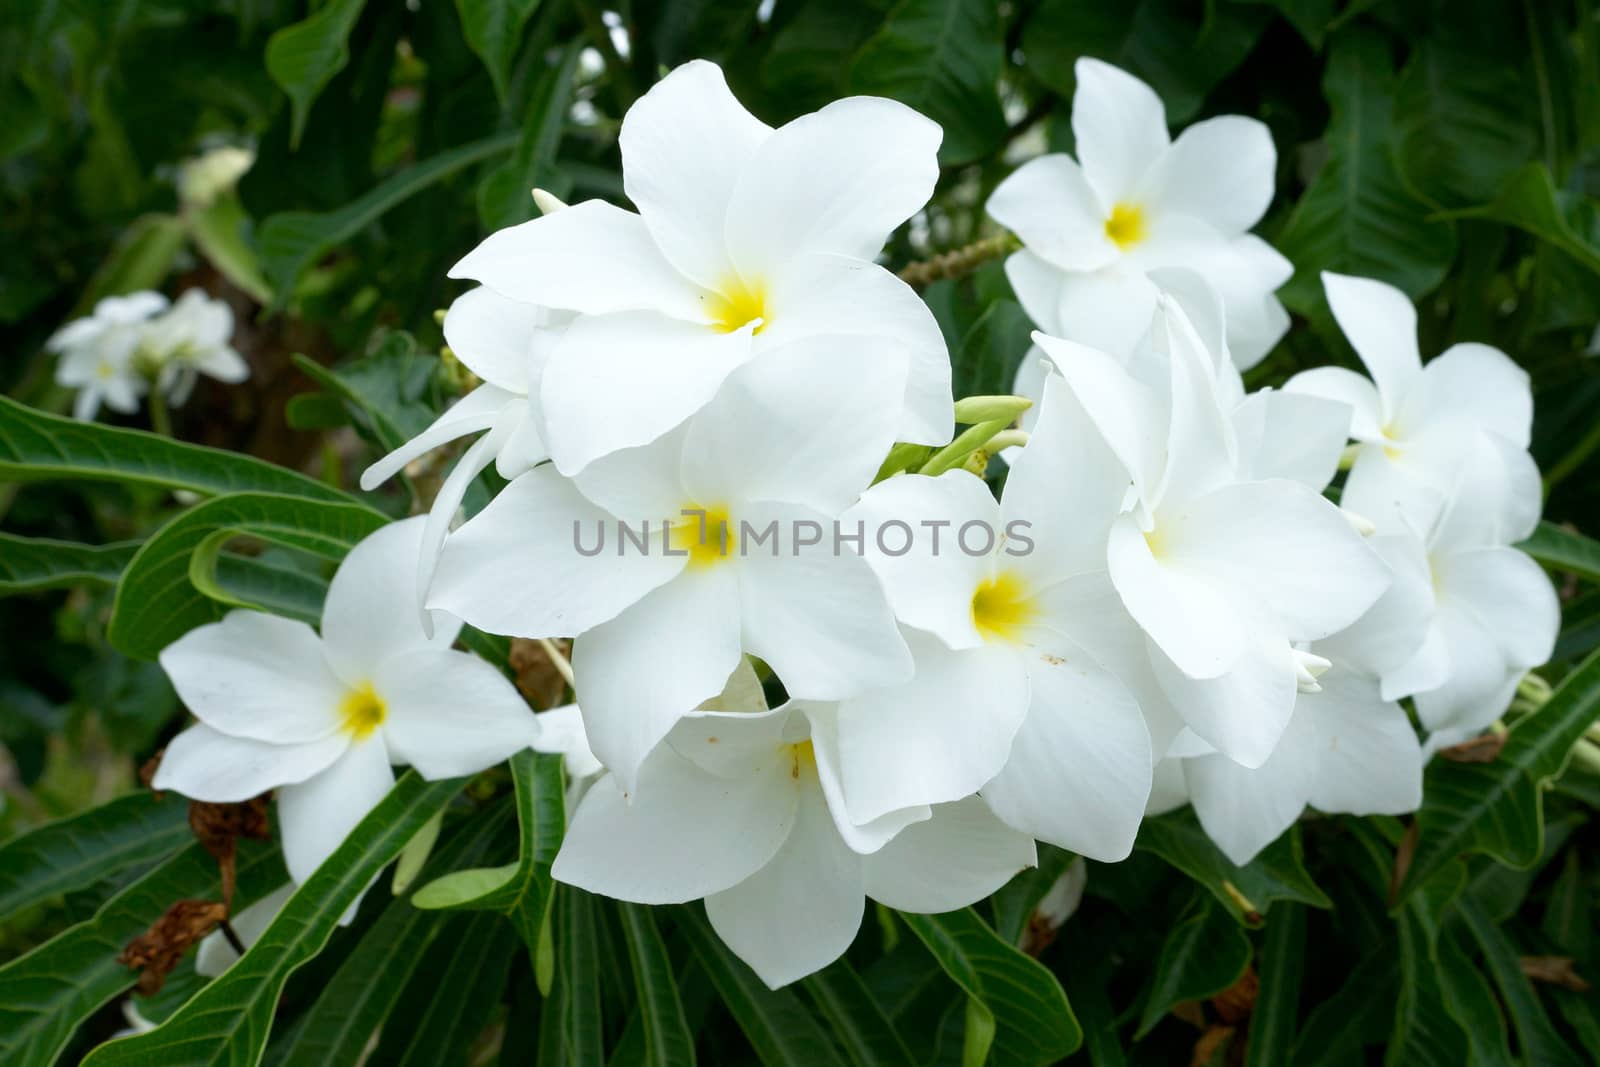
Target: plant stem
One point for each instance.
(160, 417)
(959, 261)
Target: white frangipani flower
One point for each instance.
(1224, 570)
(191, 338)
(96, 353)
(1413, 422)
(1495, 614)
(506, 344)
(320, 719)
(743, 809)
(752, 485)
(747, 239)
(1003, 700)
(1096, 230)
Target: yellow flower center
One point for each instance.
(361, 712)
(737, 304)
(1126, 226)
(803, 757)
(707, 538)
(105, 372)
(1001, 608)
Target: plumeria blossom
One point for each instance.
(1412, 422)
(96, 353)
(1224, 570)
(1003, 699)
(1098, 230)
(747, 239)
(742, 809)
(506, 344)
(1495, 614)
(321, 718)
(662, 621)
(191, 338)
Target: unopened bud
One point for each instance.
(1308, 667)
(975, 409)
(547, 202)
(1359, 523)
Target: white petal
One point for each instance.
(1509, 594)
(1067, 486)
(1202, 451)
(1220, 171)
(1392, 631)
(436, 527)
(1495, 497)
(493, 336)
(1120, 127)
(515, 568)
(954, 859)
(864, 838)
(474, 412)
(640, 672)
(1079, 772)
(1108, 309)
(1370, 762)
(800, 912)
(1242, 713)
(1048, 203)
(1256, 318)
(931, 584)
(1284, 545)
(591, 257)
(938, 737)
(1381, 324)
(685, 834)
(616, 381)
(450, 713)
(1298, 436)
(684, 145)
(371, 610)
(1478, 385)
(861, 305)
(1037, 284)
(258, 676)
(205, 764)
(774, 433)
(1188, 614)
(1128, 414)
(560, 731)
(315, 816)
(1169, 790)
(1426, 669)
(224, 364)
(838, 180)
(215, 955)
(1349, 388)
(1480, 684)
(1244, 810)
(818, 614)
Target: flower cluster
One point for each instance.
(138, 344)
(1162, 605)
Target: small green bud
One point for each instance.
(975, 409)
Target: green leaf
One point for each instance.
(667, 1040)
(578, 972)
(141, 259)
(1471, 1003)
(1182, 50)
(1310, 18)
(354, 1003)
(29, 564)
(505, 196)
(36, 446)
(218, 231)
(942, 57)
(1424, 1031)
(1336, 1030)
(46, 994)
(229, 1020)
(175, 583)
(383, 392)
(78, 851)
(455, 990)
(1203, 955)
(292, 240)
(1564, 550)
(992, 350)
(777, 1024)
(1277, 1007)
(304, 57)
(1539, 1041)
(1496, 807)
(519, 890)
(1530, 201)
(1032, 1021)
(1016, 901)
(1357, 216)
(865, 1033)
(493, 29)
(1278, 873)
(1087, 988)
